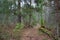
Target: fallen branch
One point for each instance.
(49, 33)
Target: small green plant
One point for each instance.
(4, 36)
(19, 26)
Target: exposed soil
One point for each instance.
(27, 34)
(32, 34)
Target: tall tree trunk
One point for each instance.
(30, 15)
(19, 11)
(57, 15)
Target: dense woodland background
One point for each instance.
(19, 14)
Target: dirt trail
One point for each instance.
(32, 34)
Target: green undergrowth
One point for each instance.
(18, 27)
(4, 36)
(47, 32)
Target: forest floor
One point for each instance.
(26, 34)
(34, 34)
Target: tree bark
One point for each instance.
(19, 11)
(57, 17)
(30, 16)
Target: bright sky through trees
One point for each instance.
(22, 3)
